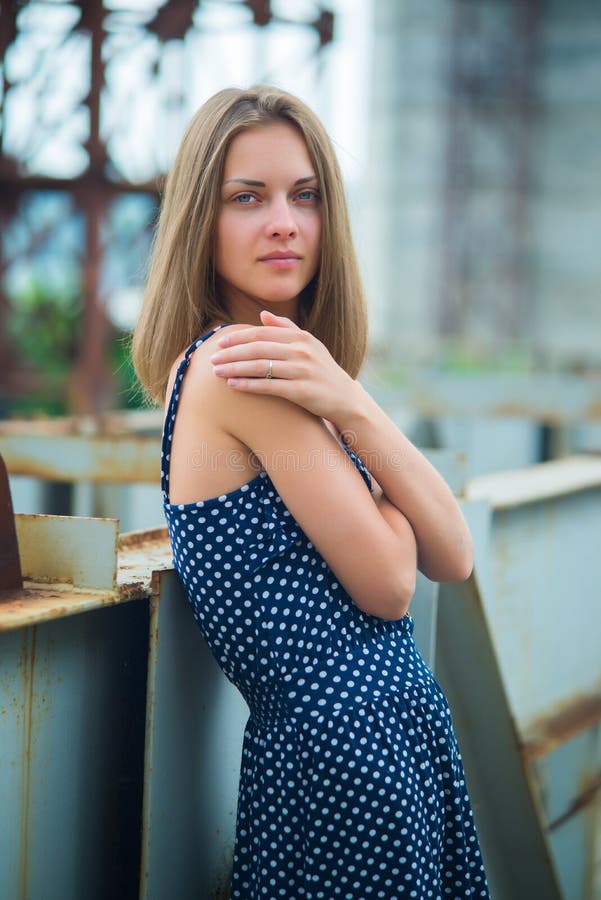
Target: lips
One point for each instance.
(279, 254)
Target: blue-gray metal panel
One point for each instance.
(551, 397)
(26, 494)
(57, 549)
(569, 779)
(195, 725)
(491, 444)
(71, 755)
(543, 607)
(508, 814)
(107, 458)
(424, 611)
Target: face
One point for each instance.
(269, 222)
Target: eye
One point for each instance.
(244, 199)
(308, 195)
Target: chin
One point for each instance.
(279, 296)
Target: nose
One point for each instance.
(281, 222)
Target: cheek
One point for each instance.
(226, 243)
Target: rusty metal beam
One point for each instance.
(10, 566)
(66, 579)
(548, 732)
(13, 186)
(578, 803)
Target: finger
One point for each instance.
(254, 368)
(273, 387)
(257, 333)
(254, 350)
(269, 318)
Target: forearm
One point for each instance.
(413, 485)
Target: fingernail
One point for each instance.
(219, 370)
(222, 342)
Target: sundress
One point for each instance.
(351, 782)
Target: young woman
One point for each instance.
(298, 515)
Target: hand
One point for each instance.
(303, 370)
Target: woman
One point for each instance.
(298, 575)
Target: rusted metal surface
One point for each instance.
(72, 698)
(516, 649)
(115, 448)
(57, 549)
(34, 604)
(589, 793)
(540, 584)
(71, 755)
(10, 566)
(578, 714)
(506, 802)
(140, 555)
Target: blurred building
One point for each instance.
(483, 188)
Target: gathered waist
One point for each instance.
(339, 680)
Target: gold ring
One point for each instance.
(269, 373)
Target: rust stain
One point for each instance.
(113, 424)
(139, 470)
(10, 565)
(39, 603)
(28, 656)
(593, 411)
(556, 728)
(143, 555)
(520, 411)
(148, 539)
(589, 790)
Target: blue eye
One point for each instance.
(308, 194)
(244, 199)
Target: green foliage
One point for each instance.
(43, 326)
(128, 392)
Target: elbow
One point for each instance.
(395, 601)
(463, 564)
(465, 570)
(457, 566)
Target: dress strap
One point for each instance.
(169, 422)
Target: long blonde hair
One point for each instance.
(181, 298)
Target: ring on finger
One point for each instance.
(269, 373)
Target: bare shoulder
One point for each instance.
(199, 361)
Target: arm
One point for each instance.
(307, 375)
(412, 484)
(369, 546)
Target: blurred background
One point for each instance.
(469, 135)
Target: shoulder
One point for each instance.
(199, 366)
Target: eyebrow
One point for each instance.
(252, 183)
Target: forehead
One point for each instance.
(267, 148)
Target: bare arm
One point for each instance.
(369, 545)
(307, 375)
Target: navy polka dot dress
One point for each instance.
(351, 782)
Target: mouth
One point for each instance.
(281, 260)
(286, 255)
